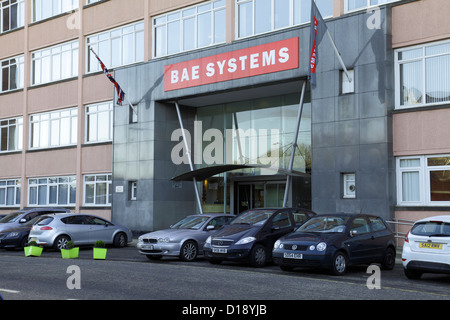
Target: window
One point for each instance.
(117, 47)
(351, 5)
(348, 86)
(99, 122)
(12, 14)
(260, 16)
(349, 185)
(54, 129)
(56, 191)
(92, 1)
(423, 180)
(377, 224)
(194, 27)
(133, 190)
(281, 220)
(360, 225)
(11, 134)
(423, 75)
(98, 190)
(55, 63)
(12, 74)
(10, 193)
(44, 9)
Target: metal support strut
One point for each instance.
(294, 146)
(188, 154)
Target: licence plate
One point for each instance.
(219, 250)
(289, 255)
(147, 247)
(429, 245)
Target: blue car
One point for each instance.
(336, 241)
(251, 235)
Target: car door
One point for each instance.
(99, 229)
(381, 236)
(280, 224)
(360, 242)
(77, 229)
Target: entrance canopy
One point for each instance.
(205, 173)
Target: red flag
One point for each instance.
(119, 91)
(318, 29)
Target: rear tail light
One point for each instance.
(46, 228)
(406, 237)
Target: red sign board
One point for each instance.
(267, 58)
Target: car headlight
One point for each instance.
(278, 245)
(246, 240)
(321, 246)
(164, 240)
(208, 241)
(12, 235)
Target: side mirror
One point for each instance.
(210, 227)
(353, 233)
(275, 228)
(22, 220)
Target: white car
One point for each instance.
(427, 247)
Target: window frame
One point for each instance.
(49, 54)
(181, 18)
(368, 5)
(89, 113)
(20, 14)
(19, 74)
(52, 182)
(18, 136)
(109, 187)
(36, 9)
(92, 41)
(292, 22)
(422, 59)
(50, 117)
(7, 184)
(424, 171)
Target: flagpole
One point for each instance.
(339, 56)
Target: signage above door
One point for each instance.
(263, 59)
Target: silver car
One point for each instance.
(184, 239)
(83, 229)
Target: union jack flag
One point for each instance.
(120, 93)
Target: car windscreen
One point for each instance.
(431, 229)
(12, 217)
(253, 217)
(191, 222)
(324, 224)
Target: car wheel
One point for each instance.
(413, 275)
(61, 242)
(339, 264)
(258, 256)
(120, 240)
(188, 251)
(24, 242)
(388, 262)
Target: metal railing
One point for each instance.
(400, 222)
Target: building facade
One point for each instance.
(235, 69)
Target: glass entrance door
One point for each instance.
(253, 195)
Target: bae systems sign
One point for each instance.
(268, 58)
